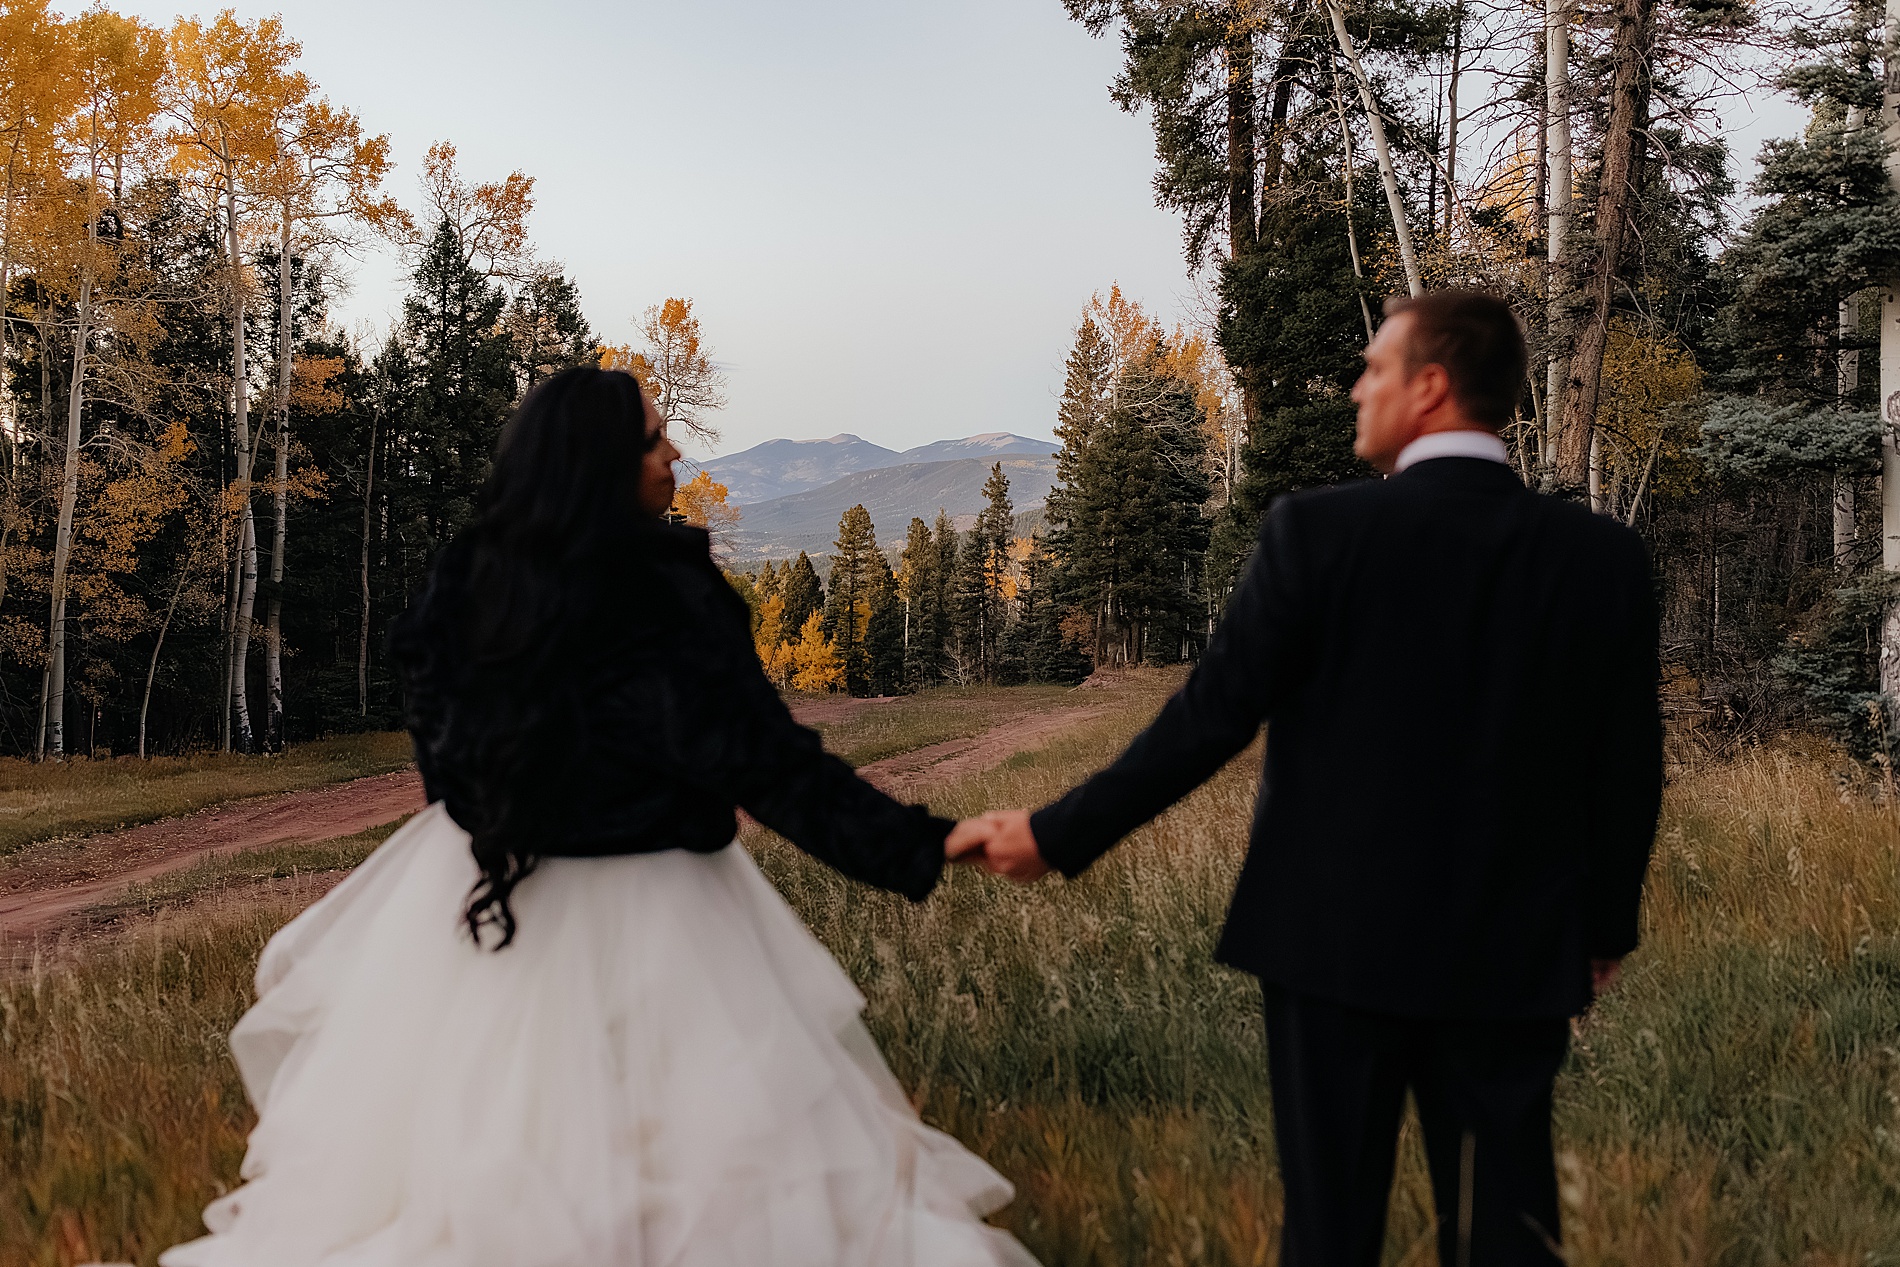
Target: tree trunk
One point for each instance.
(1623, 146)
(1401, 229)
(1352, 233)
(274, 618)
(1451, 121)
(246, 595)
(1847, 378)
(1890, 397)
(164, 626)
(1557, 213)
(1242, 231)
(53, 706)
(362, 640)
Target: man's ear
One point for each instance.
(1433, 386)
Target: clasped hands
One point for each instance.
(1000, 842)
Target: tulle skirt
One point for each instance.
(664, 1070)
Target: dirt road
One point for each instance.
(47, 898)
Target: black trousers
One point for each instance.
(1483, 1090)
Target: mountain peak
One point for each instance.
(782, 467)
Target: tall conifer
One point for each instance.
(922, 595)
(855, 564)
(800, 588)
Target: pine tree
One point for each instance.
(768, 582)
(1136, 534)
(884, 633)
(921, 594)
(547, 328)
(1292, 327)
(985, 604)
(803, 594)
(855, 563)
(1086, 393)
(1051, 653)
(945, 538)
(969, 602)
(461, 387)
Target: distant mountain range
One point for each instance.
(791, 493)
(779, 468)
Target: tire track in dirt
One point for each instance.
(45, 896)
(44, 899)
(954, 758)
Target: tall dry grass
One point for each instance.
(1736, 1101)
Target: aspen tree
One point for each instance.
(1890, 383)
(116, 62)
(323, 172)
(222, 78)
(1394, 200)
(1557, 212)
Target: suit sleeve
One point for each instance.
(736, 739)
(1250, 659)
(1627, 770)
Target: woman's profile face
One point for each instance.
(655, 484)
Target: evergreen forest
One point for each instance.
(213, 499)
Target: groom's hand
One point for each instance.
(1001, 842)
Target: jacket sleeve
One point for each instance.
(1628, 768)
(1238, 681)
(736, 740)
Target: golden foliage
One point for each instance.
(310, 390)
(490, 219)
(815, 663)
(1647, 379)
(701, 501)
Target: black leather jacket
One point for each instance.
(676, 725)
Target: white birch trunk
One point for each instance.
(1352, 234)
(1401, 229)
(1557, 209)
(1890, 393)
(362, 640)
(274, 619)
(53, 706)
(1451, 123)
(1847, 369)
(247, 533)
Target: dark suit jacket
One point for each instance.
(1464, 752)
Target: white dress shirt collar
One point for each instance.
(1453, 444)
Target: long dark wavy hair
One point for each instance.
(514, 603)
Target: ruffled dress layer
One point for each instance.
(664, 1070)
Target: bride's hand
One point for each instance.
(1001, 842)
(966, 842)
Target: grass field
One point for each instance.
(1736, 1101)
(48, 799)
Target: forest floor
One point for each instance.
(298, 843)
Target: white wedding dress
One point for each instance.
(665, 1069)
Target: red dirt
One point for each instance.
(49, 898)
(112, 860)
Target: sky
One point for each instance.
(888, 214)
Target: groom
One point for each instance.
(1463, 771)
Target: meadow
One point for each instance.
(1735, 1101)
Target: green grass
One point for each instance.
(50, 799)
(1735, 1102)
(907, 723)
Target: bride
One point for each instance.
(560, 1019)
